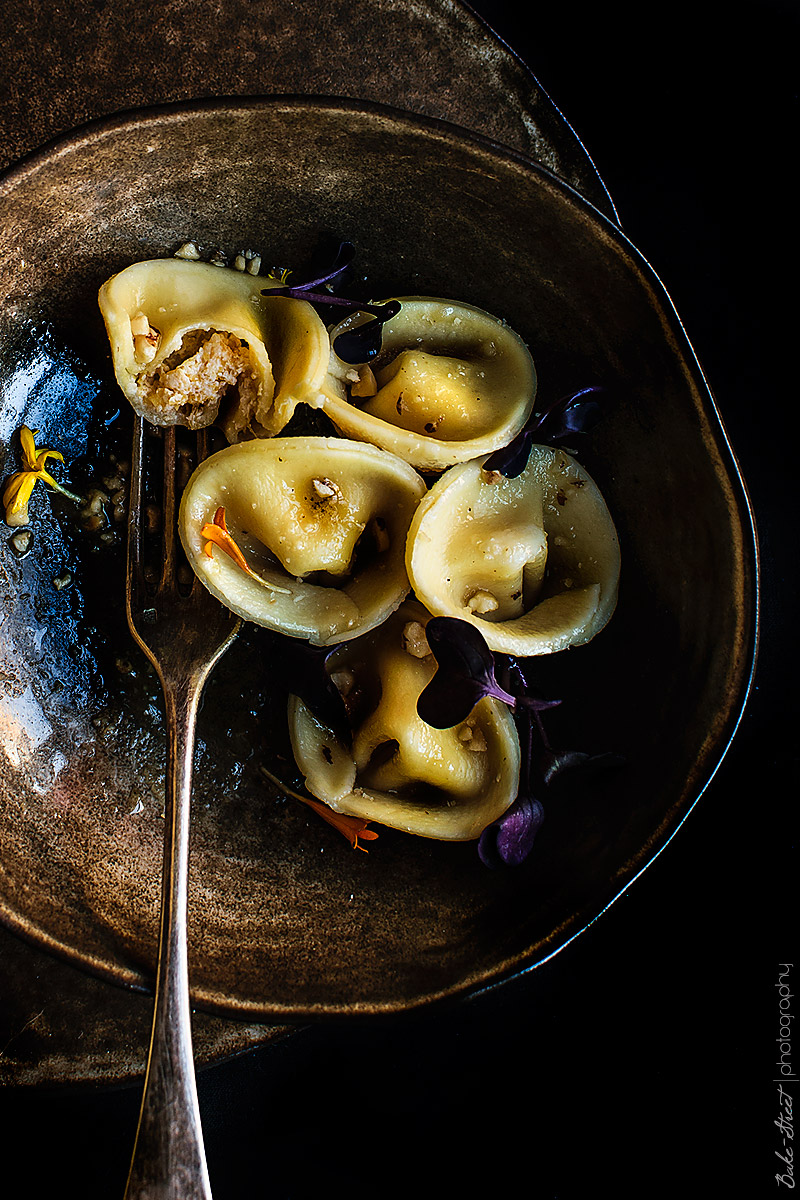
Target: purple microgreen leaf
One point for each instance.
(575, 413)
(358, 345)
(511, 460)
(509, 840)
(305, 291)
(362, 343)
(465, 673)
(305, 667)
(344, 257)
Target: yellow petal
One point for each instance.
(41, 474)
(28, 444)
(18, 492)
(43, 455)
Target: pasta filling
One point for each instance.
(208, 368)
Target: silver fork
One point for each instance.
(183, 636)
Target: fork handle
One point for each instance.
(168, 1160)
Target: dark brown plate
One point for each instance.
(288, 921)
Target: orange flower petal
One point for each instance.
(216, 533)
(352, 828)
(218, 536)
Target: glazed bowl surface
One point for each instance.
(287, 921)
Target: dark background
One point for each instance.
(641, 1059)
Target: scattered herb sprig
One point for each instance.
(577, 412)
(467, 670)
(360, 344)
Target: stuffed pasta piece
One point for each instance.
(447, 784)
(451, 382)
(532, 561)
(195, 344)
(302, 535)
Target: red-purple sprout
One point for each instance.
(358, 345)
(575, 413)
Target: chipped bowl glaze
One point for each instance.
(287, 921)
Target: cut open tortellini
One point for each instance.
(451, 382)
(532, 561)
(195, 344)
(447, 784)
(321, 523)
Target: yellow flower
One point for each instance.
(18, 490)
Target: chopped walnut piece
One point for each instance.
(482, 602)
(145, 347)
(188, 250)
(326, 489)
(366, 385)
(473, 737)
(415, 642)
(140, 325)
(145, 338)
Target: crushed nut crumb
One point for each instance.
(366, 384)
(188, 250)
(21, 542)
(343, 681)
(477, 742)
(415, 642)
(326, 489)
(482, 602)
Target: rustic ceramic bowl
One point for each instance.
(287, 920)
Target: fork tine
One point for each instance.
(168, 511)
(135, 578)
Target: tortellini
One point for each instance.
(323, 538)
(451, 382)
(195, 344)
(447, 784)
(532, 561)
(321, 521)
